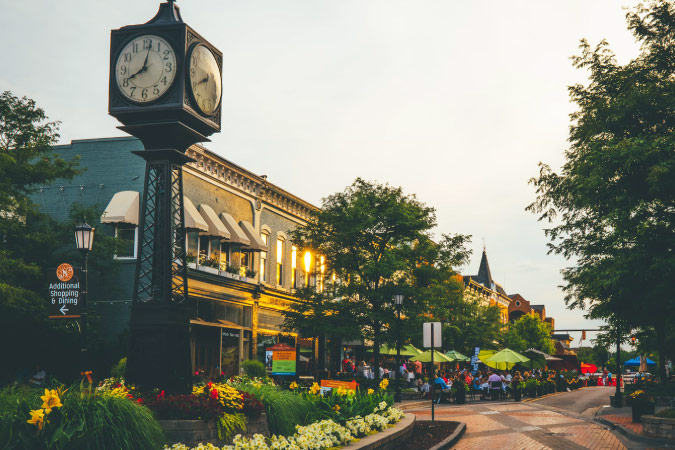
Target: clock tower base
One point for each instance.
(159, 347)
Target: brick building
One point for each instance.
(242, 266)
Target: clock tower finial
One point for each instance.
(168, 12)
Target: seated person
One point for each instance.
(442, 386)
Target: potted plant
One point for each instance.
(641, 404)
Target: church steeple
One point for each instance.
(484, 276)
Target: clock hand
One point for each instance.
(145, 63)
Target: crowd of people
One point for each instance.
(455, 384)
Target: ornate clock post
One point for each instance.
(165, 88)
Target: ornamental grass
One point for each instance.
(75, 418)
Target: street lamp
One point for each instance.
(84, 238)
(398, 300)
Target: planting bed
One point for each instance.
(427, 434)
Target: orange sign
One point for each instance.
(339, 384)
(283, 356)
(64, 272)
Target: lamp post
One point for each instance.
(84, 238)
(398, 300)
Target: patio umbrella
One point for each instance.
(406, 350)
(588, 368)
(505, 359)
(485, 354)
(426, 357)
(456, 356)
(539, 359)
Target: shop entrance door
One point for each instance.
(229, 355)
(206, 348)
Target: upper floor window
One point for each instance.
(280, 259)
(126, 236)
(294, 265)
(263, 257)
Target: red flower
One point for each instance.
(214, 393)
(140, 400)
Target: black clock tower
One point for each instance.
(165, 88)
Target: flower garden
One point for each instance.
(114, 415)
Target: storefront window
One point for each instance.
(280, 259)
(229, 355)
(192, 243)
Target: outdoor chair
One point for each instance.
(495, 390)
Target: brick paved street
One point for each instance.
(520, 426)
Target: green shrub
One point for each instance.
(85, 421)
(666, 413)
(254, 369)
(119, 369)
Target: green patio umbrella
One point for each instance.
(426, 357)
(406, 350)
(485, 354)
(456, 356)
(505, 359)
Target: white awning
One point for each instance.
(123, 208)
(193, 220)
(237, 235)
(256, 241)
(216, 227)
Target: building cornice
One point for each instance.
(230, 174)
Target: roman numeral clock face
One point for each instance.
(205, 79)
(145, 69)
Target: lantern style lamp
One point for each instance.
(84, 236)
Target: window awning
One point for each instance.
(253, 236)
(237, 235)
(193, 220)
(216, 227)
(123, 208)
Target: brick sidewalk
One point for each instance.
(518, 426)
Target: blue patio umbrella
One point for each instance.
(636, 362)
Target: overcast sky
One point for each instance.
(455, 101)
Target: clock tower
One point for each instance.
(165, 88)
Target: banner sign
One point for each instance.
(474, 359)
(351, 385)
(282, 361)
(65, 292)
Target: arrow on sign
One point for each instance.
(63, 310)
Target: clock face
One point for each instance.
(146, 68)
(205, 80)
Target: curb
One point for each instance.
(452, 439)
(552, 394)
(386, 439)
(652, 441)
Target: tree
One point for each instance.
(612, 206)
(529, 332)
(377, 241)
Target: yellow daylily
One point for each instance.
(336, 408)
(37, 417)
(50, 400)
(371, 391)
(293, 386)
(315, 388)
(384, 383)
